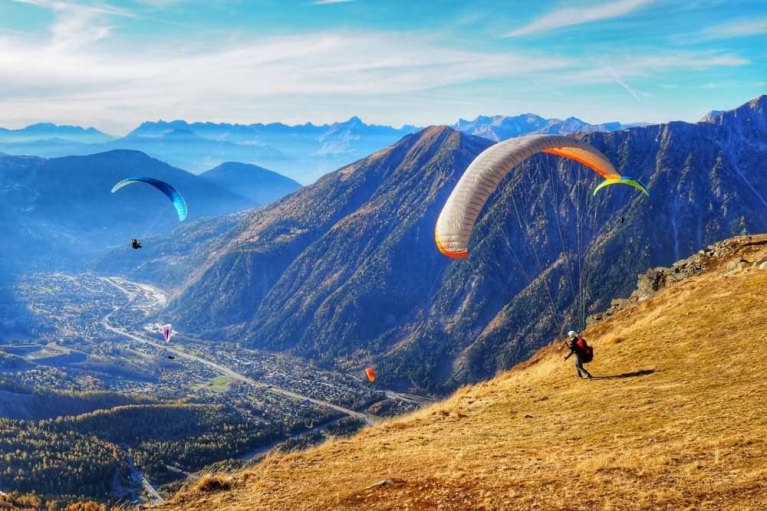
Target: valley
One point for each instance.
(86, 335)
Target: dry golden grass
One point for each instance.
(677, 420)
(212, 483)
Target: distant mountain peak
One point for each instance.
(713, 114)
(55, 133)
(40, 125)
(353, 122)
(49, 126)
(436, 130)
(181, 133)
(501, 127)
(260, 185)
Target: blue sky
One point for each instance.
(113, 64)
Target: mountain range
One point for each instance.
(345, 271)
(302, 152)
(58, 213)
(500, 127)
(53, 132)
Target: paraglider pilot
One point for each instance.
(135, 243)
(578, 347)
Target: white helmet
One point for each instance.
(571, 333)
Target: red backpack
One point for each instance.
(585, 351)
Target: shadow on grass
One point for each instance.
(634, 374)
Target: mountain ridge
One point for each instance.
(303, 152)
(47, 130)
(259, 185)
(357, 278)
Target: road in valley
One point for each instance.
(224, 370)
(154, 497)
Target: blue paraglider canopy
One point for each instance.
(178, 201)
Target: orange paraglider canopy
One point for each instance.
(371, 374)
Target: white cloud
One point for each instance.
(159, 4)
(77, 25)
(568, 16)
(326, 2)
(305, 65)
(741, 28)
(323, 77)
(651, 66)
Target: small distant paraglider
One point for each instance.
(136, 244)
(171, 357)
(167, 332)
(371, 374)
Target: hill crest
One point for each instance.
(668, 422)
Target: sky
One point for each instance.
(115, 64)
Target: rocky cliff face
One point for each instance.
(718, 256)
(346, 271)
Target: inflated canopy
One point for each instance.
(167, 332)
(485, 173)
(622, 181)
(178, 201)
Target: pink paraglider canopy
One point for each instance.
(166, 332)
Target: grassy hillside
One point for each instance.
(677, 419)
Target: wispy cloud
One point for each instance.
(741, 28)
(326, 2)
(314, 65)
(650, 66)
(79, 72)
(623, 84)
(568, 16)
(77, 25)
(64, 6)
(159, 4)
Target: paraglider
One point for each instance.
(135, 243)
(171, 357)
(622, 181)
(178, 201)
(484, 174)
(371, 374)
(167, 332)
